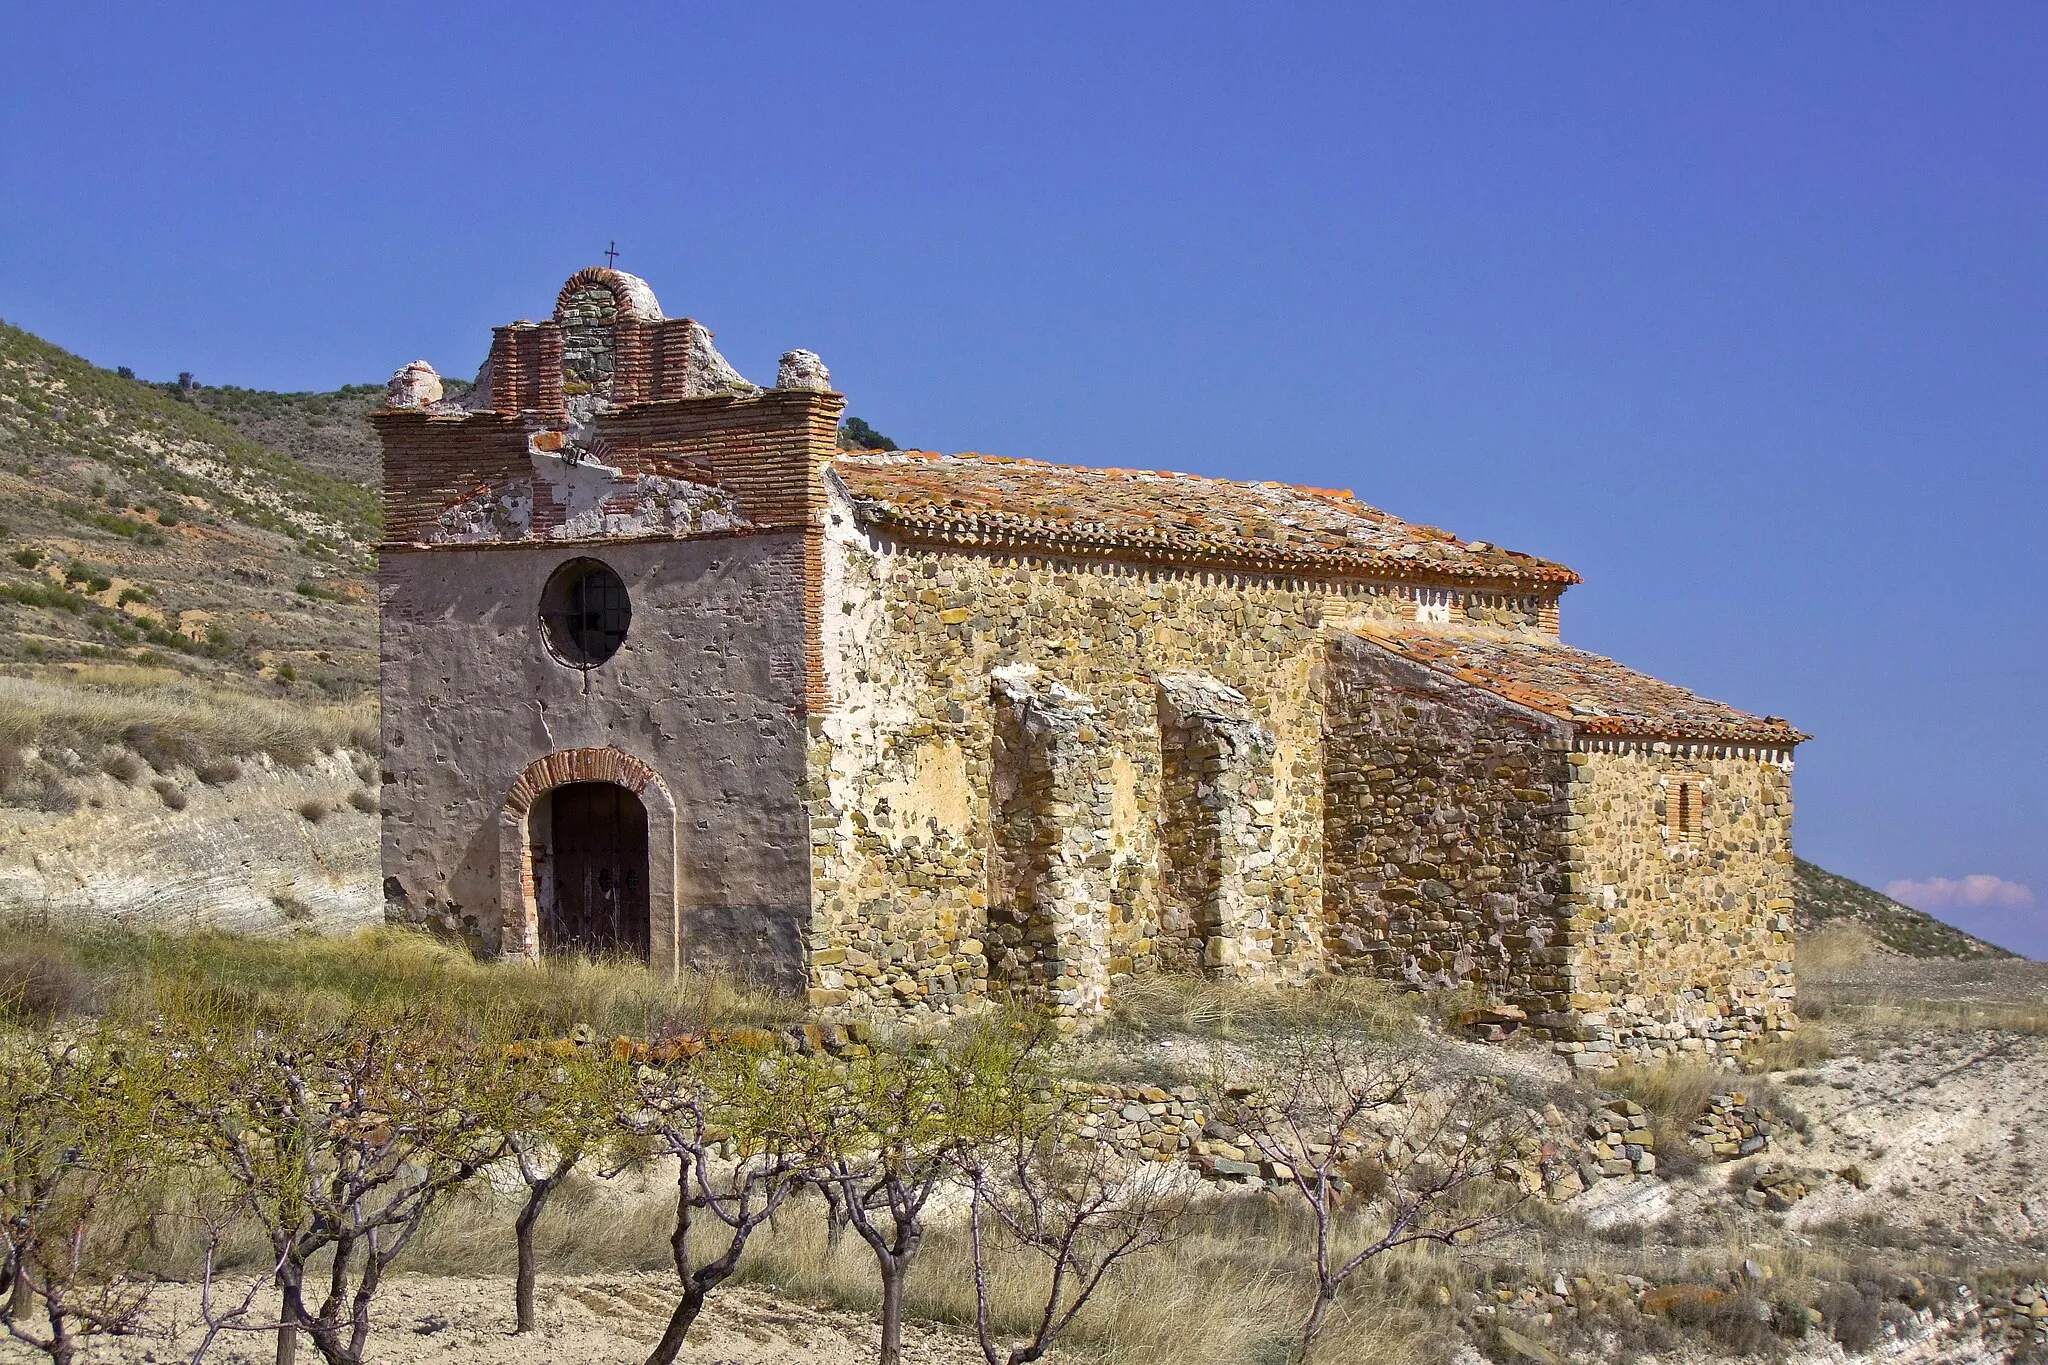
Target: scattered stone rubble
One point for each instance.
(1620, 1141)
(1913, 1308)
(1775, 1190)
(2021, 1315)
(1732, 1127)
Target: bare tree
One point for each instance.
(76, 1139)
(735, 1118)
(556, 1105)
(217, 1219)
(1073, 1203)
(901, 1124)
(1371, 1151)
(339, 1140)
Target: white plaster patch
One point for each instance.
(931, 798)
(597, 500)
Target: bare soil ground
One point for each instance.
(591, 1319)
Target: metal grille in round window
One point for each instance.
(585, 612)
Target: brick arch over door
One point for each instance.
(519, 908)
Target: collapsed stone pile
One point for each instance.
(2020, 1315)
(1732, 1127)
(1775, 1190)
(1620, 1141)
(1145, 1121)
(1153, 1123)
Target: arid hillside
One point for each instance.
(1828, 901)
(136, 527)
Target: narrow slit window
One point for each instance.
(1683, 812)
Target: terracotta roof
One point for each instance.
(1175, 518)
(1596, 695)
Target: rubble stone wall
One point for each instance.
(1216, 830)
(902, 764)
(1051, 814)
(1681, 941)
(1444, 831)
(707, 690)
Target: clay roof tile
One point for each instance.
(1595, 694)
(974, 499)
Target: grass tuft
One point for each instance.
(169, 725)
(310, 976)
(1178, 1002)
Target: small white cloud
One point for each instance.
(1979, 888)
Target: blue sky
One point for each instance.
(1737, 309)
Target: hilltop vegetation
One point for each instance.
(327, 432)
(141, 528)
(1824, 900)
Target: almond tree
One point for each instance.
(339, 1140)
(896, 1130)
(898, 1126)
(735, 1117)
(1072, 1203)
(76, 1141)
(556, 1105)
(1351, 1128)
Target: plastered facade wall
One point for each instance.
(1445, 832)
(903, 764)
(707, 690)
(1680, 943)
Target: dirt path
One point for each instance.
(607, 1319)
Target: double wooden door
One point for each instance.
(599, 863)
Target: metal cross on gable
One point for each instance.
(611, 255)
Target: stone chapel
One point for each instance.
(667, 673)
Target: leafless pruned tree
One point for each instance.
(1072, 1203)
(735, 1118)
(1375, 1153)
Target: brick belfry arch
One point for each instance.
(518, 901)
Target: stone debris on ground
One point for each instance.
(1732, 1127)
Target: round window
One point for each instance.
(584, 611)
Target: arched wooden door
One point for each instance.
(596, 861)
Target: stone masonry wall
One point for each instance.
(1682, 941)
(1050, 815)
(1444, 831)
(901, 765)
(1216, 830)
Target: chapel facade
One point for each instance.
(665, 672)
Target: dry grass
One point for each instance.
(1887, 1012)
(172, 724)
(1848, 979)
(308, 976)
(1229, 1290)
(1188, 1004)
(1673, 1094)
(1833, 950)
(1808, 1045)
